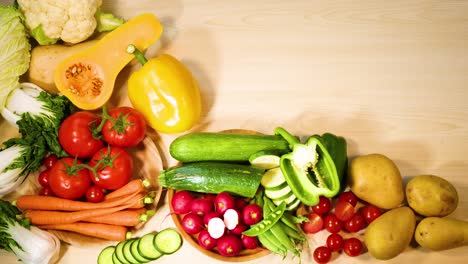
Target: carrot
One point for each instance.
(104, 231)
(133, 186)
(38, 202)
(129, 217)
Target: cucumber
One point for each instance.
(146, 247)
(276, 188)
(136, 254)
(209, 146)
(281, 194)
(293, 205)
(115, 260)
(119, 252)
(127, 253)
(288, 200)
(266, 159)
(273, 178)
(213, 177)
(105, 257)
(168, 241)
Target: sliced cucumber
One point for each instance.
(127, 252)
(115, 260)
(105, 257)
(146, 247)
(266, 159)
(136, 253)
(288, 200)
(277, 188)
(272, 178)
(293, 205)
(119, 252)
(168, 241)
(280, 194)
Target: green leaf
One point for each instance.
(40, 36)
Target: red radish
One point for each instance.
(252, 214)
(181, 202)
(207, 217)
(210, 196)
(192, 223)
(229, 245)
(205, 240)
(249, 242)
(231, 218)
(240, 204)
(239, 229)
(201, 206)
(224, 201)
(216, 227)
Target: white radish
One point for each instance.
(216, 227)
(231, 219)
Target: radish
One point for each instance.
(192, 223)
(216, 227)
(224, 201)
(210, 196)
(201, 206)
(205, 240)
(231, 218)
(240, 204)
(181, 202)
(229, 245)
(249, 242)
(239, 229)
(252, 214)
(207, 217)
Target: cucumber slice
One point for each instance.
(119, 252)
(272, 178)
(136, 253)
(288, 200)
(265, 159)
(293, 205)
(105, 257)
(168, 241)
(127, 252)
(146, 247)
(277, 188)
(115, 260)
(280, 194)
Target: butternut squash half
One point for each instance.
(88, 77)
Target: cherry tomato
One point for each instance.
(124, 127)
(314, 225)
(344, 210)
(355, 224)
(335, 242)
(332, 223)
(46, 191)
(50, 160)
(353, 247)
(349, 197)
(370, 213)
(76, 136)
(94, 194)
(323, 206)
(67, 180)
(322, 254)
(114, 167)
(43, 178)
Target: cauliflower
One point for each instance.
(72, 21)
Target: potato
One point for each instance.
(389, 235)
(44, 61)
(375, 179)
(431, 195)
(438, 233)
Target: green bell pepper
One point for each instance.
(311, 169)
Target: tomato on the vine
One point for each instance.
(68, 179)
(322, 254)
(76, 134)
(323, 206)
(353, 247)
(113, 167)
(123, 127)
(370, 213)
(94, 194)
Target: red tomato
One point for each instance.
(353, 247)
(349, 197)
(50, 160)
(43, 178)
(114, 167)
(314, 225)
(322, 254)
(124, 127)
(323, 206)
(355, 224)
(76, 136)
(370, 213)
(46, 191)
(332, 223)
(344, 210)
(94, 194)
(67, 180)
(335, 242)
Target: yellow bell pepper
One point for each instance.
(165, 92)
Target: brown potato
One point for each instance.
(376, 179)
(437, 233)
(431, 195)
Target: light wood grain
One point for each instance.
(390, 76)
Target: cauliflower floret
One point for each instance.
(72, 21)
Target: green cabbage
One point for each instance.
(14, 52)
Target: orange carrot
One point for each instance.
(133, 186)
(38, 202)
(109, 232)
(129, 217)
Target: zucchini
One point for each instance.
(213, 177)
(210, 146)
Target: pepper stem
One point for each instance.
(131, 49)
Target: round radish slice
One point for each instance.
(231, 219)
(216, 227)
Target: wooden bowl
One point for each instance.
(245, 255)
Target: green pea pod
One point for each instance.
(292, 232)
(267, 222)
(270, 242)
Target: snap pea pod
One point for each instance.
(269, 241)
(267, 222)
(292, 233)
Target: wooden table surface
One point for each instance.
(390, 76)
